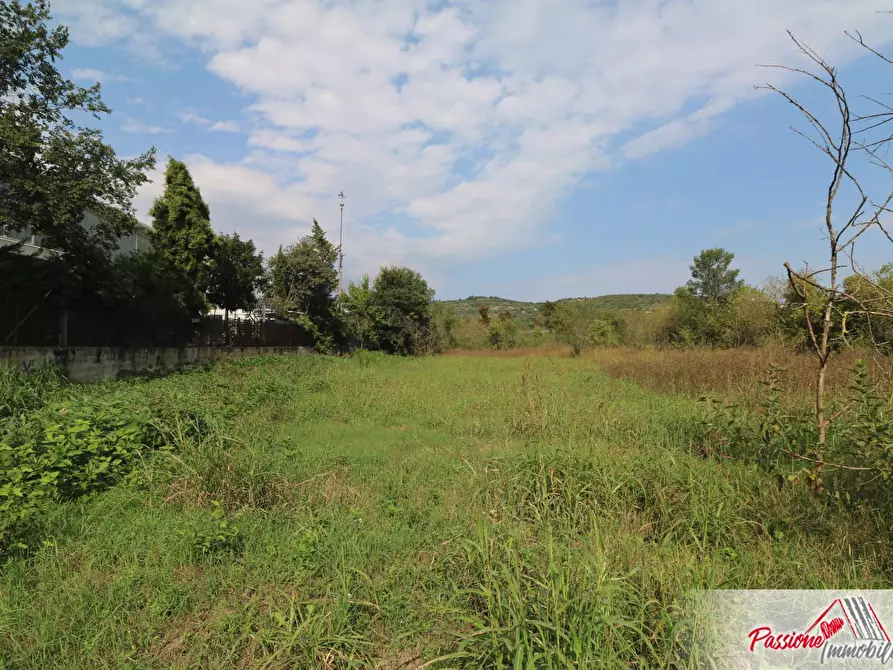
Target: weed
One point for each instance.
(217, 535)
(316, 512)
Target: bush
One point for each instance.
(67, 449)
(856, 464)
(605, 333)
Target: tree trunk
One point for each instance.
(226, 327)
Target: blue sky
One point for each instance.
(522, 148)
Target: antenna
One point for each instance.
(341, 248)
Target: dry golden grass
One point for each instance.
(727, 372)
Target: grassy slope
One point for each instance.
(390, 508)
(526, 311)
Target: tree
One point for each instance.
(361, 314)
(444, 321)
(52, 170)
(840, 140)
(303, 280)
(404, 299)
(569, 324)
(235, 274)
(503, 331)
(150, 295)
(181, 229)
(711, 279)
(606, 332)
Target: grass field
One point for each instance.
(457, 511)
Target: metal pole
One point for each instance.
(341, 248)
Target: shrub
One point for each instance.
(65, 450)
(856, 464)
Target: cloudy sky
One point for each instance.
(528, 148)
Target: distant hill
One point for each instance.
(526, 311)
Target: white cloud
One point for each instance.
(135, 101)
(92, 75)
(225, 127)
(455, 128)
(136, 126)
(216, 126)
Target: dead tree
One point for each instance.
(845, 141)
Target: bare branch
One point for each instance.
(858, 38)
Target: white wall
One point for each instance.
(138, 241)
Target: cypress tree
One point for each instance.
(181, 229)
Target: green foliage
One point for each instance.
(25, 390)
(484, 312)
(360, 313)
(403, 299)
(444, 322)
(529, 313)
(235, 273)
(569, 323)
(607, 332)
(218, 535)
(711, 279)
(150, 291)
(747, 317)
(856, 461)
(503, 331)
(303, 280)
(804, 303)
(378, 511)
(68, 448)
(874, 293)
(181, 231)
(53, 171)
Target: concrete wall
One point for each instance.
(86, 364)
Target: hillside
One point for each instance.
(526, 311)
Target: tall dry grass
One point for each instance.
(731, 373)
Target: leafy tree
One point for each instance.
(360, 313)
(150, 293)
(181, 229)
(569, 324)
(753, 318)
(52, 170)
(503, 331)
(484, 312)
(711, 279)
(303, 280)
(865, 315)
(605, 332)
(404, 298)
(444, 320)
(235, 273)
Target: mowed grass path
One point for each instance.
(378, 512)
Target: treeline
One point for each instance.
(713, 309)
(53, 172)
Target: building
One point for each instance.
(140, 240)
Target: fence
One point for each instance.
(42, 325)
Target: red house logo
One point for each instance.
(848, 629)
(855, 615)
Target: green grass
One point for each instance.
(379, 512)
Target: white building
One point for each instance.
(138, 241)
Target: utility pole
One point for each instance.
(341, 248)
